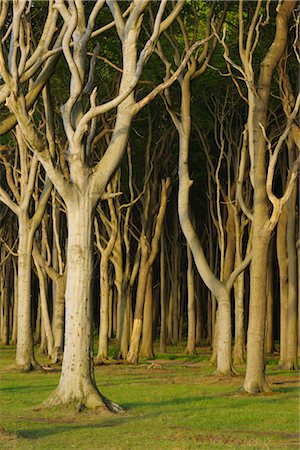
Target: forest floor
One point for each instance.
(172, 402)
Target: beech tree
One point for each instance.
(86, 183)
(261, 173)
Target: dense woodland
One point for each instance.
(149, 160)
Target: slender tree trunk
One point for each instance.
(270, 303)
(59, 318)
(5, 303)
(104, 310)
(170, 316)
(163, 323)
(24, 352)
(147, 344)
(15, 310)
(283, 284)
(292, 340)
(132, 356)
(191, 342)
(239, 341)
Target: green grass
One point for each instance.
(178, 405)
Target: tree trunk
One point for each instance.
(191, 342)
(270, 303)
(224, 358)
(283, 285)
(147, 344)
(104, 310)
(59, 318)
(133, 353)
(255, 380)
(163, 323)
(5, 303)
(24, 352)
(239, 313)
(15, 300)
(77, 384)
(292, 341)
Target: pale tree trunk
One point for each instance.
(175, 284)
(15, 300)
(263, 225)
(292, 340)
(255, 380)
(44, 308)
(283, 284)
(102, 354)
(24, 352)
(59, 317)
(270, 303)
(104, 282)
(148, 256)
(147, 344)
(5, 302)
(170, 316)
(163, 323)
(77, 384)
(191, 342)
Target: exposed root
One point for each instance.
(91, 400)
(100, 361)
(190, 351)
(256, 388)
(29, 366)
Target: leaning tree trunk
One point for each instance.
(147, 337)
(77, 384)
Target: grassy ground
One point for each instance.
(177, 403)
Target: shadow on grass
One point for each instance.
(175, 402)
(54, 429)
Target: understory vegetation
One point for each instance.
(175, 401)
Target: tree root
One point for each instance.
(91, 400)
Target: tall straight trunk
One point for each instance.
(174, 287)
(224, 358)
(191, 342)
(255, 380)
(270, 303)
(239, 314)
(24, 352)
(209, 318)
(163, 323)
(283, 284)
(258, 100)
(123, 345)
(104, 310)
(170, 316)
(15, 303)
(199, 321)
(292, 340)
(59, 317)
(147, 337)
(5, 303)
(77, 384)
